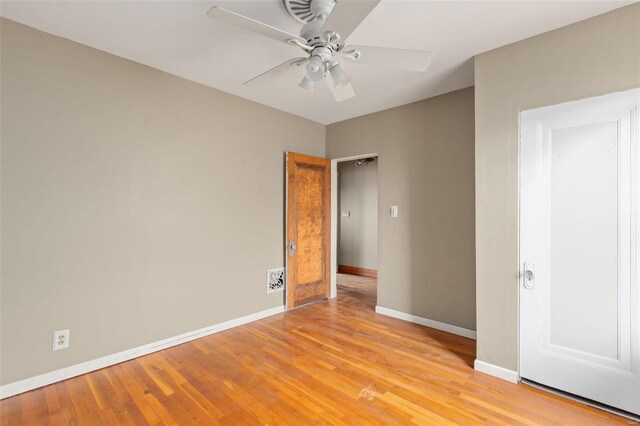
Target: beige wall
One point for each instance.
(358, 194)
(589, 58)
(135, 205)
(426, 257)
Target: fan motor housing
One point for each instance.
(311, 32)
(312, 28)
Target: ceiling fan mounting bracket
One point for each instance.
(305, 11)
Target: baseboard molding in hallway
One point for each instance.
(354, 270)
(453, 329)
(45, 379)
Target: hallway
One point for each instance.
(357, 291)
(335, 362)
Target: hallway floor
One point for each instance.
(335, 362)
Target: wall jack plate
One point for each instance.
(60, 339)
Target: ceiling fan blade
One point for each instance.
(347, 15)
(252, 25)
(275, 73)
(403, 59)
(341, 93)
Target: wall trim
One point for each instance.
(496, 371)
(454, 329)
(354, 270)
(41, 380)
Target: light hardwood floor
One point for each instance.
(333, 362)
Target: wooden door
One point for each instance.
(579, 235)
(308, 229)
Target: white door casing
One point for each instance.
(579, 218)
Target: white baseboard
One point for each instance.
(96, 364)
(494, 370)
(454, 329)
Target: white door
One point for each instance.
(579, 248)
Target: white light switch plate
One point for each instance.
(393, 211)
(346, 214)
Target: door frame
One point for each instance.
(518, 280)
(335, 216)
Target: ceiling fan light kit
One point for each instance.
(314, 70)
(308, 84)
(339, 77)
(326, 26)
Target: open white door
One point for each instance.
(579, 248)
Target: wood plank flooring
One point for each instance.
(333, 362)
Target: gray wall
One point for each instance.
(135, 205)
(358, 194)
(426, 257)
(589, 58)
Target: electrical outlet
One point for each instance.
(60, 339)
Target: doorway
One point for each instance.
(355, 240)
(579, 248)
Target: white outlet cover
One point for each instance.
(346, 214)
(61, 339)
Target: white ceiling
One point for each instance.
(179, 38)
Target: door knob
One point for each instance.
(529, 275)
(292, 248)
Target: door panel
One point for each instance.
(584, 238)
(579, 304)
(308, 228)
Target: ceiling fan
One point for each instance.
(327, 25)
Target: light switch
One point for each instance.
(346, 214)
(393, 211)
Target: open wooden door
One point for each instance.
(308, 229)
